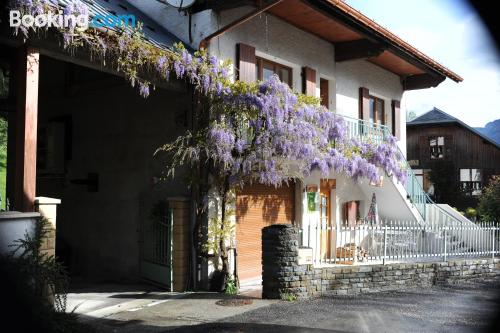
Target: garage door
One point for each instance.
(258, 206)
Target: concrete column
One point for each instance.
(47, 207)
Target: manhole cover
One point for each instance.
(234, 302)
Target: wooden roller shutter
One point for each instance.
(364, 103)
(396, 119)
(309, 81)
(258, 206)
(246, 62)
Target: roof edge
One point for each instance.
(394, 39)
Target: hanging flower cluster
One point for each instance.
(268, 133)
(263, 132)
(136, 56)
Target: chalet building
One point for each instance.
(443, 147)
(96, 137)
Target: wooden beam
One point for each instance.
(26, 129)
(422, 81)
(357, 49)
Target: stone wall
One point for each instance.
(282, 275)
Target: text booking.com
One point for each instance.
(59, 20)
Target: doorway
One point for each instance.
(326, 212)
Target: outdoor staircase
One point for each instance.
(425, 211)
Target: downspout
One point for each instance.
(205, 41)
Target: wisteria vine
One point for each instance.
(262, 132)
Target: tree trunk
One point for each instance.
(222, 242)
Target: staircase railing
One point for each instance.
(367, 131)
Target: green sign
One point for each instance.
(311, 201)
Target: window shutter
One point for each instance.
(396, 119)
(246, 62)
(309, 81)
(364, 103)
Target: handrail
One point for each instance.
(377, 133)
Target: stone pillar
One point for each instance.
(47, 207)
(280, 243)
(180, 242)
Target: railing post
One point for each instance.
(385, 244)
(493, 229)
(444, 228)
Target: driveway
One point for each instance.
(464, 308)
(460, 308)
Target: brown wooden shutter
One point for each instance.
(246, 62)
(396, 119)
(309, 81)
(364, 103)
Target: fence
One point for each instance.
(399, 242)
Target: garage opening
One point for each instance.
(258, 206)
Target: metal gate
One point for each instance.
(156, 254)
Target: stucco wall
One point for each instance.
(281, 42)
(351, 75)
(114, 134)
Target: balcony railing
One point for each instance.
(364, 130)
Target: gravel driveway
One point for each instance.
(460, 308)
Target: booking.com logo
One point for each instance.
(60, 20)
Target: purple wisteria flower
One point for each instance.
(144, 89)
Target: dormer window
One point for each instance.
(266, 68)
(436, 145)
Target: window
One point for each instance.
(265, 68)
(471, 181)
(323, 92)
(377, 111)
(436, 145)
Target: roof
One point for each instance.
(363, 19)
(436, 117)
(153, 32)
(361, 37)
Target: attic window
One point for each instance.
(436, 146)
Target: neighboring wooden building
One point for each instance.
(438, 141)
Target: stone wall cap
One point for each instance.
(280, 226)
(47, 201)
(13, 215)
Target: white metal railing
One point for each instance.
(398, 242)
(365, 130)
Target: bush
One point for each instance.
(28, 278)
(288, 297)
(471, 213)
(489, 202)
(231, 287)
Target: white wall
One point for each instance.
(278, 41)
(14, 226)
(351, 75)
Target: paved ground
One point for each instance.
(464, 308)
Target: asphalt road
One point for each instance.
(464, 308)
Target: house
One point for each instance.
(104, 172)
(325, 49)
(438, 141)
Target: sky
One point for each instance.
(450, 32)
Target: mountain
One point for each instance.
(491, 130)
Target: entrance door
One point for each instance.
(156, 252)
(258, 206)
(325, 210)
